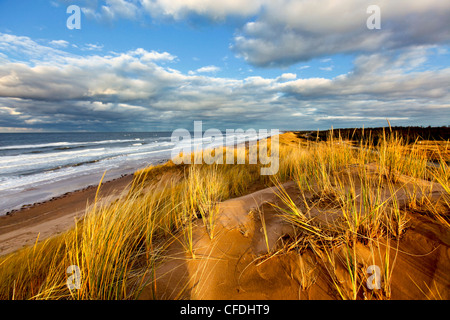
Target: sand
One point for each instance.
(22, 228)
(239, 261)
(235, 263)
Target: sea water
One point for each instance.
(35, 167)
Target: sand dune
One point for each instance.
(235, 264)
(254, 250)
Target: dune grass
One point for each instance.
(363, 185)
(118, 246)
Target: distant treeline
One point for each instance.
(409, 134)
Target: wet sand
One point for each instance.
(45, 219)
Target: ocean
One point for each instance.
(36, 167)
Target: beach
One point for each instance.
(39, 167)
(375, 226)
(225, 150)
(40, 221)
(60, 202)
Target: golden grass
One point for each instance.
(361, 184)
(118, 246)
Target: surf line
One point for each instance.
(212, 141)
(192, 310)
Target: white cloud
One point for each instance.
(92, 47)
(329, 68)
(135, 89)
(175, 9)
(179, 9)
(13, 45)
(358, 118)
(290, 31)
(112, 9)
(208, 69)
(285, 32)
(152, 55)
(17, 129)
(287, 76)
(59, 43)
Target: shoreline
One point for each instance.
(59, 189)
(257, 252)
(57, 197)
(44, 219)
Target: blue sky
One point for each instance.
(145, 65)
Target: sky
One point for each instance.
(159, 65)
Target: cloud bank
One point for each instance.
(284, 32)
(142, 90)
(44, 87)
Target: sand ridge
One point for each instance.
(251, 255)
(235, 263)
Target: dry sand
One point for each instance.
(235, 264)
